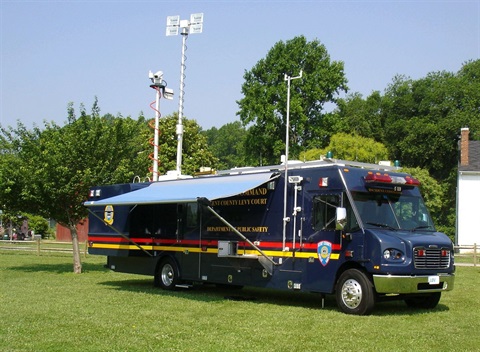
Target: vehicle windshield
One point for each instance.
(392, 211)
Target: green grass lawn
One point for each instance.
(45, 307)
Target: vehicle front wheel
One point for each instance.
(167, 275)
(425, 301)
(354, 293)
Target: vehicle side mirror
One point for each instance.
(341, 218)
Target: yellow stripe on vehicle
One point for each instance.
(284, 254)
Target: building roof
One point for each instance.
(473, 157)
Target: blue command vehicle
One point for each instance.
(359, 231)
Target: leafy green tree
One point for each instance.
(423, 117)
(196, 152)
(228, 144)
(432, 191)
(49, 171)
(435, 194)
(10, 164)
(358, 116)
(38, 224)
(350, 147)
(263, 107)
(422, 120)
(95, 108)
(58, 165)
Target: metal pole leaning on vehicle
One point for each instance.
(270, 261)
(139, 246)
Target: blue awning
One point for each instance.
(188, 190)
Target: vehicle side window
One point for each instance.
(192, 215)
(156, 220)
(324, 211)
(352, 223)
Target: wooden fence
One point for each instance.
(42, 246)
(466, 254)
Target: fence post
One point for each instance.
(38, 238)
(474, 254)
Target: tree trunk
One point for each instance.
(77, 263)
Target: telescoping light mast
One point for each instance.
(194, 26)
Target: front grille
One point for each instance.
(431, 258)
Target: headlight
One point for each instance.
(392, 254)
(386, 254)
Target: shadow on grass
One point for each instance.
(213, 293)
(59, 268)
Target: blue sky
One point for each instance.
(56, 52)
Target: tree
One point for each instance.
(56, 166)
(355, 115)
(49, 171)
(228, 144)
(350, 147)
(433, 193)
(196, 152)
(263, 107)
(423, 117)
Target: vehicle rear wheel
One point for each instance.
(355, 293)
(425, 301)
(167, 275)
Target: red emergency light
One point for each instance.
(421, 252)
(412, 181)
(378, 177)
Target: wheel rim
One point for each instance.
(351, 293)
(167, 275)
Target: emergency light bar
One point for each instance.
(378, 177)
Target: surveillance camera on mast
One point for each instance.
(157, 79)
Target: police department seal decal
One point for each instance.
(108, 214)
(324, 251)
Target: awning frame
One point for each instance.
(188, 190)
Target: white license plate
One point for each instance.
(433, 280)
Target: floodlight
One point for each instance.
(171, 31)
(173, 20)
(196, 28)
(196, 18)
(168, 93)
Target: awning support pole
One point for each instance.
(271, 262)
(121, 234)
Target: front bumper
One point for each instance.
(413, 284)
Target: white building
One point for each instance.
(468, 191)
